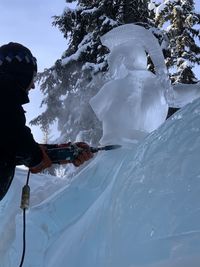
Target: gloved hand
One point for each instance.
(45, 163)
(85, 155)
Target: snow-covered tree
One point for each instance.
(81, 71)
(181, 22)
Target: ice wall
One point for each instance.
(136, 206)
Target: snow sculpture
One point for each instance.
(134, 102)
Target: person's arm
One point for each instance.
(32, 154)
(26, 146)
(18, 137)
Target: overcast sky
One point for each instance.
(29, 22)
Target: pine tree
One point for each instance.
(183, 51)
(81, 71)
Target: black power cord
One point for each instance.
(24, 206)
(24, 238)
(55, 154)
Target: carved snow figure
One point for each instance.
(135, 101)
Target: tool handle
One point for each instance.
(58, 154)
(71, 153)
(25, 199)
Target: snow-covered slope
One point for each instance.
(135, 206)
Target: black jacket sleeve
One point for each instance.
(16, 137)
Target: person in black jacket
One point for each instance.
(18, 67)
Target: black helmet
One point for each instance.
(17, 60)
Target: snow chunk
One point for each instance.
(151, 6)
(88, 11)
(184, 94)
(107, 20)
(82, 47)
(162, 6)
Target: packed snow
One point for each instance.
(137, 206)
